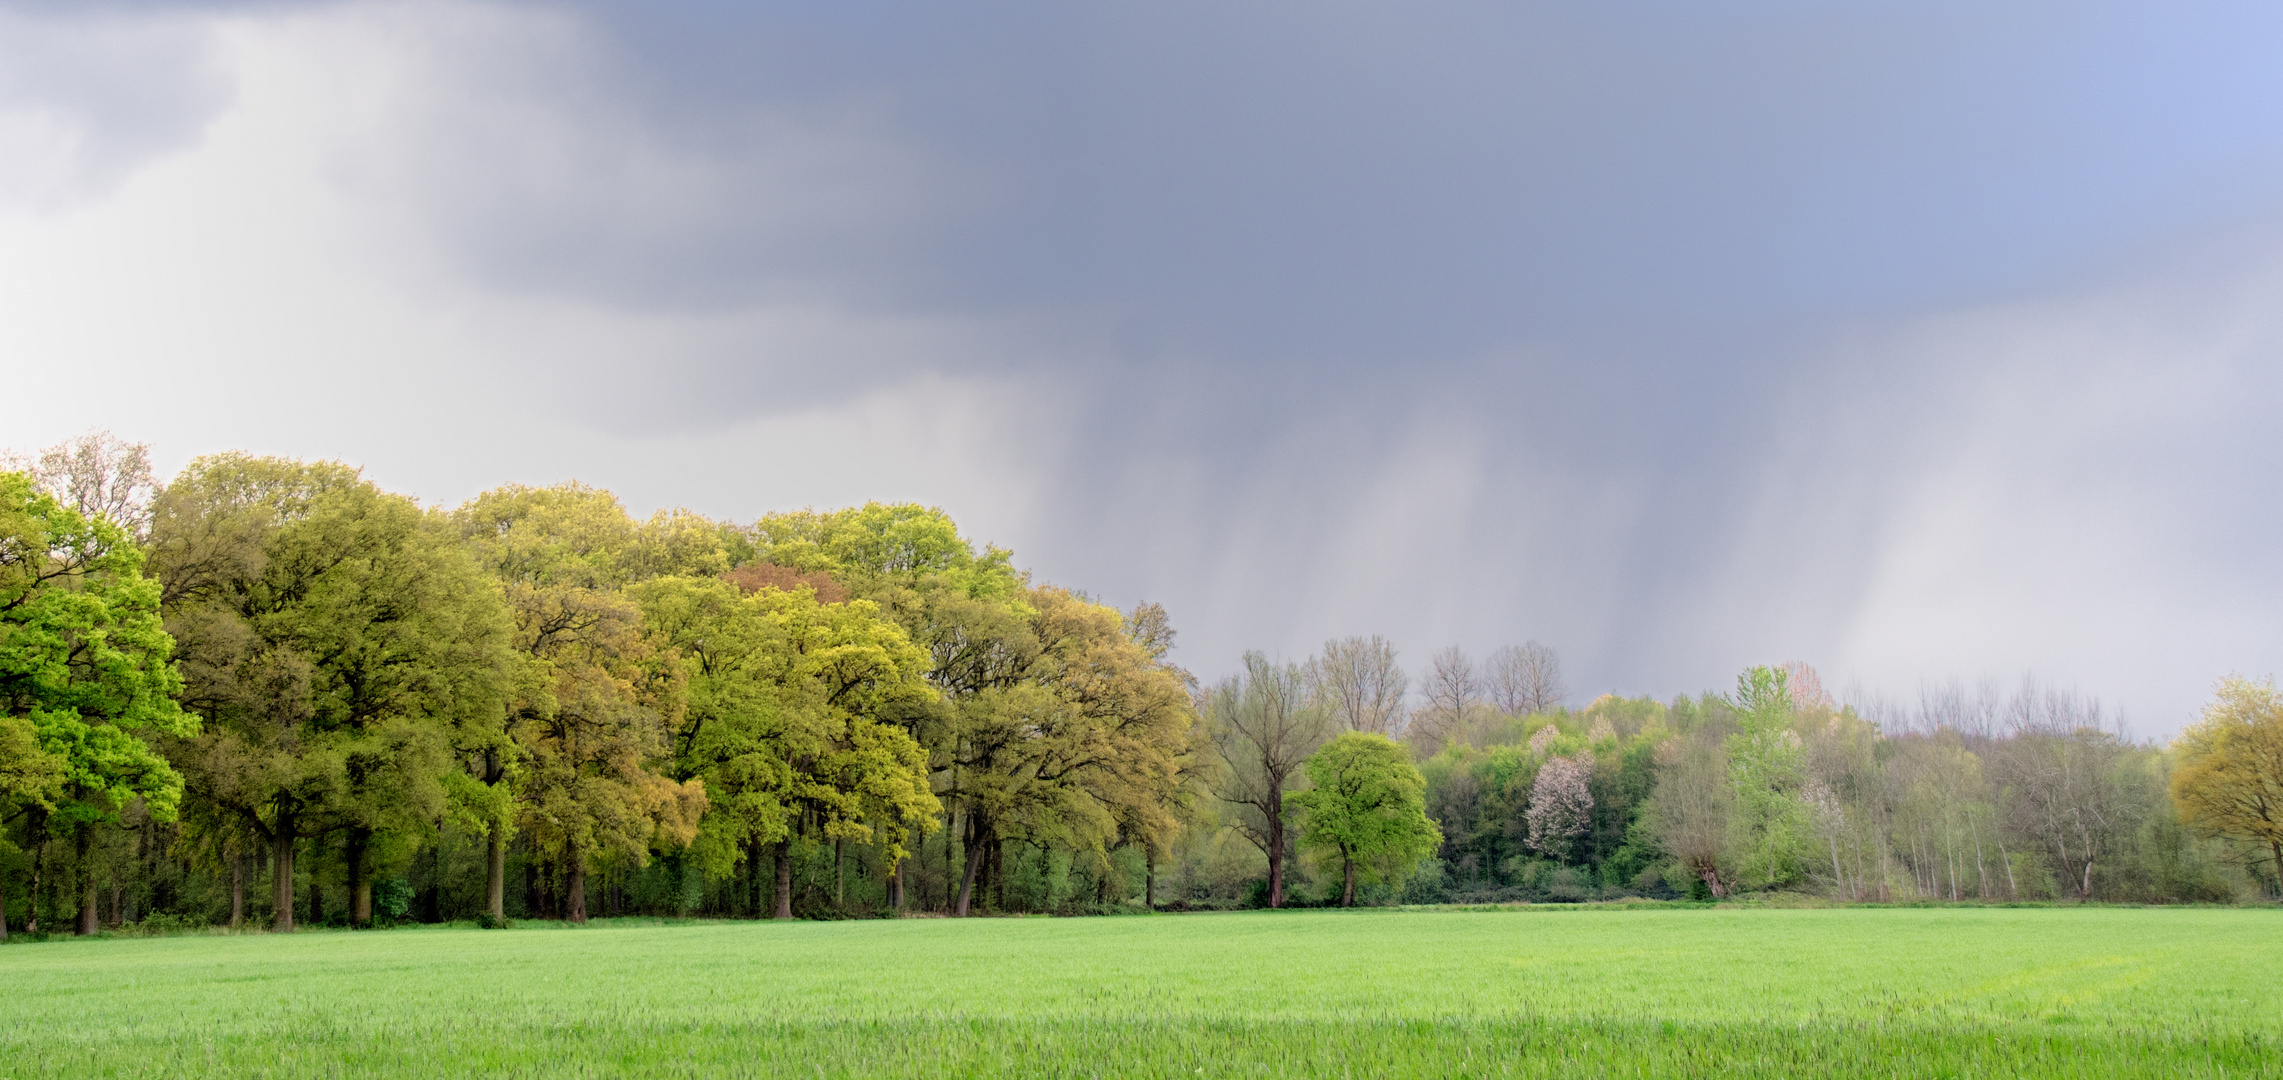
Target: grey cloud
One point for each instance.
(1607, 325)
(87, 98)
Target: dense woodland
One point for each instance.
(268, 693)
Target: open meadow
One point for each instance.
(1513, 992)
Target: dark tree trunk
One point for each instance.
(1348, 883)
(237, 888)
(316, 882)
(998, 874)
(1276, 858)
(360, 884)
(575, 899)
(839, 877)
(281, 870)
(87, 895)
(1149, 878)
(896, 886)
(495, 872)
(784, 860)
(967, 879)
(39, 861)
(755, 851)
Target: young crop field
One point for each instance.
(1429, 993)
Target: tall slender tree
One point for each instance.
(1265, 724)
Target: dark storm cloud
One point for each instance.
(1645, 328)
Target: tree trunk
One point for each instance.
(39, 861)
(495, 872)
(1149, 878)
(762, 879)
(87, 895)
(1276, 858)
(784, 879)
(237, 888)
(839, 878)
(2277, 847)
(896, 886)
(967, 880)
(575, 903)
(1348, 885)
(3, 915)
(360, 884)
(996, 875)
(281, 871)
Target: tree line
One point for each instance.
(268, 691)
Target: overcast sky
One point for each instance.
(1917, 341)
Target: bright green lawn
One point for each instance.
(1545, 991)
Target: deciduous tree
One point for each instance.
(1266, 724)
(334, 637)
(1359, 679)
(1366, 803)
(783, 724)
(86, 675)
(1525, 679)
(2228, 777)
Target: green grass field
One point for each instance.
(1531, 992)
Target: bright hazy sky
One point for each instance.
(1917, 341)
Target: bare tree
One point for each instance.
(1691, 804)
(1524, 679)
(2071, 798)
(1359, 680)
(95, 473)
(1452, 690)
(1265, 724)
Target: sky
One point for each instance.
(1915, 341)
